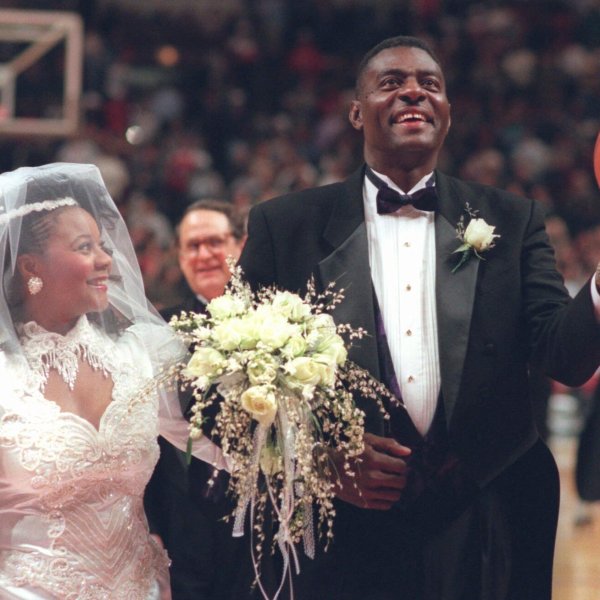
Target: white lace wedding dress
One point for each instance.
(72, 523)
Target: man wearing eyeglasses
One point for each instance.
(182, 509)
(209, 232)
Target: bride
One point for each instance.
(78, 419)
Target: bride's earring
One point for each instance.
(34, 285)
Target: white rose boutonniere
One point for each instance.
(477, 237)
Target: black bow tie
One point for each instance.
(389, 200)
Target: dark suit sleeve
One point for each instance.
(257, 259)
(565, 336)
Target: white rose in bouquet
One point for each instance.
(303, 371)
(228, 334)
(248, 328)
(260, 402)
(275, 330)
(295, 346)
(205, 362)
(226, 306)
(323, 323)
(333, 347)
(320, 327)
(237, 333)
(291, 306)
(262, 369)
(326, 369)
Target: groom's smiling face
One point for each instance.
(401, 107)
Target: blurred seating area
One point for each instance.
(245, 100)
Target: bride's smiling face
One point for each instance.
(74, 267)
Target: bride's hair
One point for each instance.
(36, 229)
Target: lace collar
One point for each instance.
(46, 350)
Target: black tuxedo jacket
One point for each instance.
(495, 315)
(189, 304)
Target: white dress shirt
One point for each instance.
(402, 260)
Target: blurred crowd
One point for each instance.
(245, 100)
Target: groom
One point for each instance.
(456, 496)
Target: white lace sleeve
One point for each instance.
(157, 348)
(175, 429)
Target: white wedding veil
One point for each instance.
(27, 193)
(142, 339)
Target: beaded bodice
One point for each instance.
(72, 524)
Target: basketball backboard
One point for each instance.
(26, 38)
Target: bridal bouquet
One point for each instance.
(275, 366)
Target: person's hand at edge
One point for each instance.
(379, 476)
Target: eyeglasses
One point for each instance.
(213, 244)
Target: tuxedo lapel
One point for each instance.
(348, 267)
(455, 293)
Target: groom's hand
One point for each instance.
(379, 477)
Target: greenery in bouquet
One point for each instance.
(276, 365)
